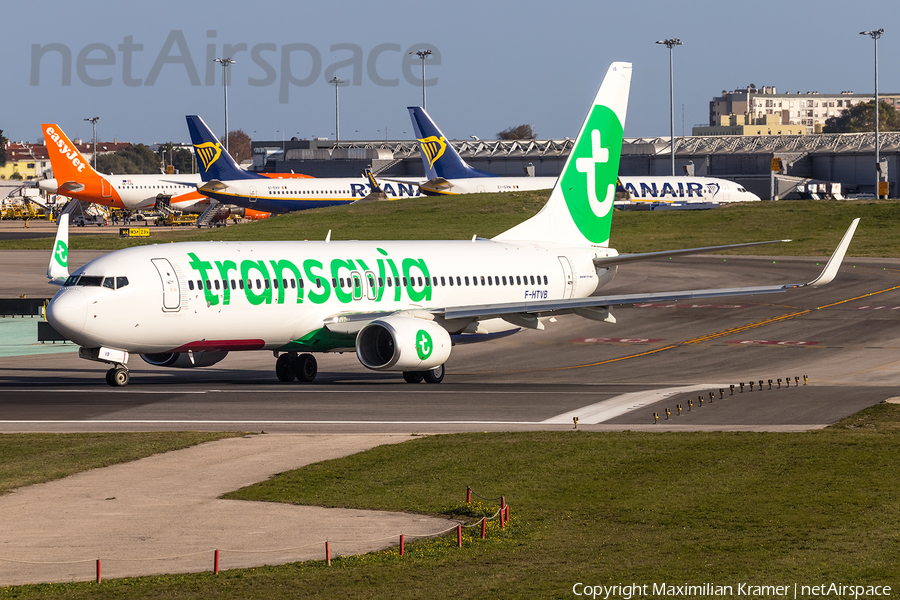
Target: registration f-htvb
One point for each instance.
(399, 305)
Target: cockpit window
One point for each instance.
(121, 282)
(90, 280)
(72, 280)
(109, 282)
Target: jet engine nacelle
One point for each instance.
(182, 360)
(402, 344)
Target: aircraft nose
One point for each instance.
(68, 312)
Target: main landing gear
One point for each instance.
(118, 376)
(435, 375)
(303, 368)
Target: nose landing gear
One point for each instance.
(118, 376)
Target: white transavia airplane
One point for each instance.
(398, 305)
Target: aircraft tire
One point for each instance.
(285, 369)
(306, 368)
(413, 376)
(118, 377)
(435, 375)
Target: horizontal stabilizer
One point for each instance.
(71, 186)
(213, 185)
(192, 184)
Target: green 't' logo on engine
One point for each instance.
(589, 183)
(61, 253)
(424, 345)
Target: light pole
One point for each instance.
(93, 121)
(875, 34)
(225, 62)
(671, 43)
(423, 54)
(337, 113)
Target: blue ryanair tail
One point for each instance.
(214, 163)
(224, 181)
(438, 156)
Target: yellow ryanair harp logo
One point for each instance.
(208, 152)
(433, 147)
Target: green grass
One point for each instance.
(29, 458)
(816, 226)
(600, 508)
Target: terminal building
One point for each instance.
(763, 111)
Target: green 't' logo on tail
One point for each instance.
(61, 253)
(589, 183)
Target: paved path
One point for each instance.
(167, 506)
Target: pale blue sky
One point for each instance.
(503, 63)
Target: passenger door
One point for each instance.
(568, 278)
(171, 288)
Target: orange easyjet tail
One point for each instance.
(74, 175)
(67, 162)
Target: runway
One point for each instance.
(843, 338)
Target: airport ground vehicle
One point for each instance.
(87, 219)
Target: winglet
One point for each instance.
(58, 271)
(373, 183)
(834, 263)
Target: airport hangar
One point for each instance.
(844, 158)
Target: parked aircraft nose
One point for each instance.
(68, 312)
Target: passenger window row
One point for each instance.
(240, 284)
(354, 282)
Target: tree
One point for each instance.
(3, 142)
(183, 160)
(522, 132)
(861, 118)
(239, 146)
(133, 160)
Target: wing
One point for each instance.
(544, 307)
(525, 314)
(619, 259)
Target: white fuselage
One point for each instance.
(478, 185)
(137, 192)
(279, 295)
(685, 189)
(285, 195)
